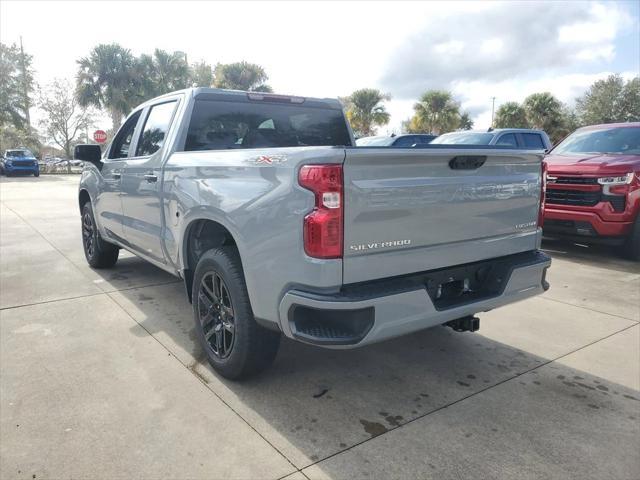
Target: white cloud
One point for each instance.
(328, 49)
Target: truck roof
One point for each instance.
(245, 96)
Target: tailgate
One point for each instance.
(413, 210)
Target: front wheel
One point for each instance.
(235, 345)
(36, 174)
(98, 252)
(632, 243)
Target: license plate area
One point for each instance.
(456, 286)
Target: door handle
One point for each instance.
(150, 177)
(116, 174)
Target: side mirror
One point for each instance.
(88, 153)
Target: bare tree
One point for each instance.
(65, 118)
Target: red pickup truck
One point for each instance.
(593, 187)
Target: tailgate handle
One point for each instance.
(467, 162)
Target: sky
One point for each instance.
(477, 50)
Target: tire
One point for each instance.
(632, 243)
(235, 345)
(37, 174)
(98, 252)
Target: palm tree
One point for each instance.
(106, 79)
(543, 110)
(438, 112)
(171, 71)
(365, 110)
(241, 76)
(465, 122)
(201, 74)
(511, 115)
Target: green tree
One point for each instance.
(16, 86)
(437, 112)
(544, 112)
(365, 110)
(107, 79)
(201, 74)
(241, 76)
(161, 73)
(12, 137)
(610, 100)
(465, 122)
(511, 115)
(65, 118)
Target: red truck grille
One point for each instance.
(572, 197)
(580, 192)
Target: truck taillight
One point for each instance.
(323, 226)
(543, 192)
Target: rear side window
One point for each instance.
(155, 129)
(508, 139)
(533, 140)
(219, 125)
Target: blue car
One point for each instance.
(19, 161)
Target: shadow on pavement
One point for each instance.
(315, 403)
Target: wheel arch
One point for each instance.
(201, 235)
(83, 198)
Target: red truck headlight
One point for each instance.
(323, 227)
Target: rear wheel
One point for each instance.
(98, 252)
(36, 174)
(632, 243)
(235, 345)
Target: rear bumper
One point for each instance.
(599, 227)
(368, 313)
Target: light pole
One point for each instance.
(493, 105)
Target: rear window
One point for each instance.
(217, 125)
(463, 138)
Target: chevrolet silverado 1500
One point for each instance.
(594, 187)
(278, 224)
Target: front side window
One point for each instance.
(219, 125)
(122, 142)
(507, 140)
(155, 129)
(533, 140)
(617, 140)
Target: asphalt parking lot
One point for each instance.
(101, 377)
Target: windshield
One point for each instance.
(374, 141)
(606, 140)
(463, 138)
(18, 153)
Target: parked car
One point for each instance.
(520, 138)
(19, 161)
(404, 140)
(278, 226)
(593, 190)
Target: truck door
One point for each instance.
(108, 204)
(141, 183)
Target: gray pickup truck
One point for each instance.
(278, 224)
